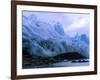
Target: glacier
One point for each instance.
(43, 39)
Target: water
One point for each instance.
(70, 64)
(58, 64)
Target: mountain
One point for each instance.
(84, 38)
(59, 29)
(42, 39)
(82, 43)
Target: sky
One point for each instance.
(72, 23)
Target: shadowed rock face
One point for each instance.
(38, 61)
(70, 56)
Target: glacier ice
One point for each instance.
(45, 40)
(59, 29)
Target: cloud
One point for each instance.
(78, 23)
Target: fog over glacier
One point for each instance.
(48, 34)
